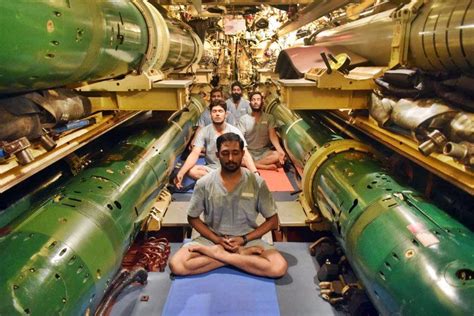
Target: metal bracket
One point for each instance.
(401, 33)
(134, 82)
(360, 78)
(315, 220)
(157, 212)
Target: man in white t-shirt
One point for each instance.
(206, 140)
(216, 96)
(236, 104)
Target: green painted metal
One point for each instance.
(53, 43)
(59, 258)
(411, 256)
(301, 136)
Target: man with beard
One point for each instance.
(237, 105)
(259, 132)
(206, 140)
(205, 118)
(230, 198)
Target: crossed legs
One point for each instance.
(270, 161)
(198, 259)
(198, 171)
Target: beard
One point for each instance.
(256, 110)
(218, 123)
(230, 166)
(236, 97)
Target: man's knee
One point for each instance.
(197, 172)
(274, 156)
(278, 269)
(176, 265)
(279, 266)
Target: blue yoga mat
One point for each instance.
(224, 291)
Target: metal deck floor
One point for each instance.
(297, 291)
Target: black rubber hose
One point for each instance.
(124, 279)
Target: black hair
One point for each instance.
(236, 84)
(229, 137)
(216, 90)
(254, 93)
(221, 103)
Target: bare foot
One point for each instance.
(210, 251)
(196, 248)
(254, 250)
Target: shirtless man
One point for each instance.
(206, 139)
(230, 198)
(259, 132)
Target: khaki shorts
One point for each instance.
(258, 154)
(206, 242)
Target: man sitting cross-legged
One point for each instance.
(206, 140)
(259, 132)
(230, 198)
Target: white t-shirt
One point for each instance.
(242, 109)
(206, 138)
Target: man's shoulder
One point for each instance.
(267, 115)
(245, 118)
(232, 128)
(207, 179)
(253, 177)
(203, 133)
(206, 130)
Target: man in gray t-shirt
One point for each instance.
(237, 105)
(259, 132)
(205, 119)
(206, 140)
(230, 198)
(216, 96)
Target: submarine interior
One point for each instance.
(373, 102)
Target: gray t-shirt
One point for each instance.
(206, 138)
(205, 118)
(256, 133)
(242, 109)
(231, 213)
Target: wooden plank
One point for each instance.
(291, 214)
(176, 215)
